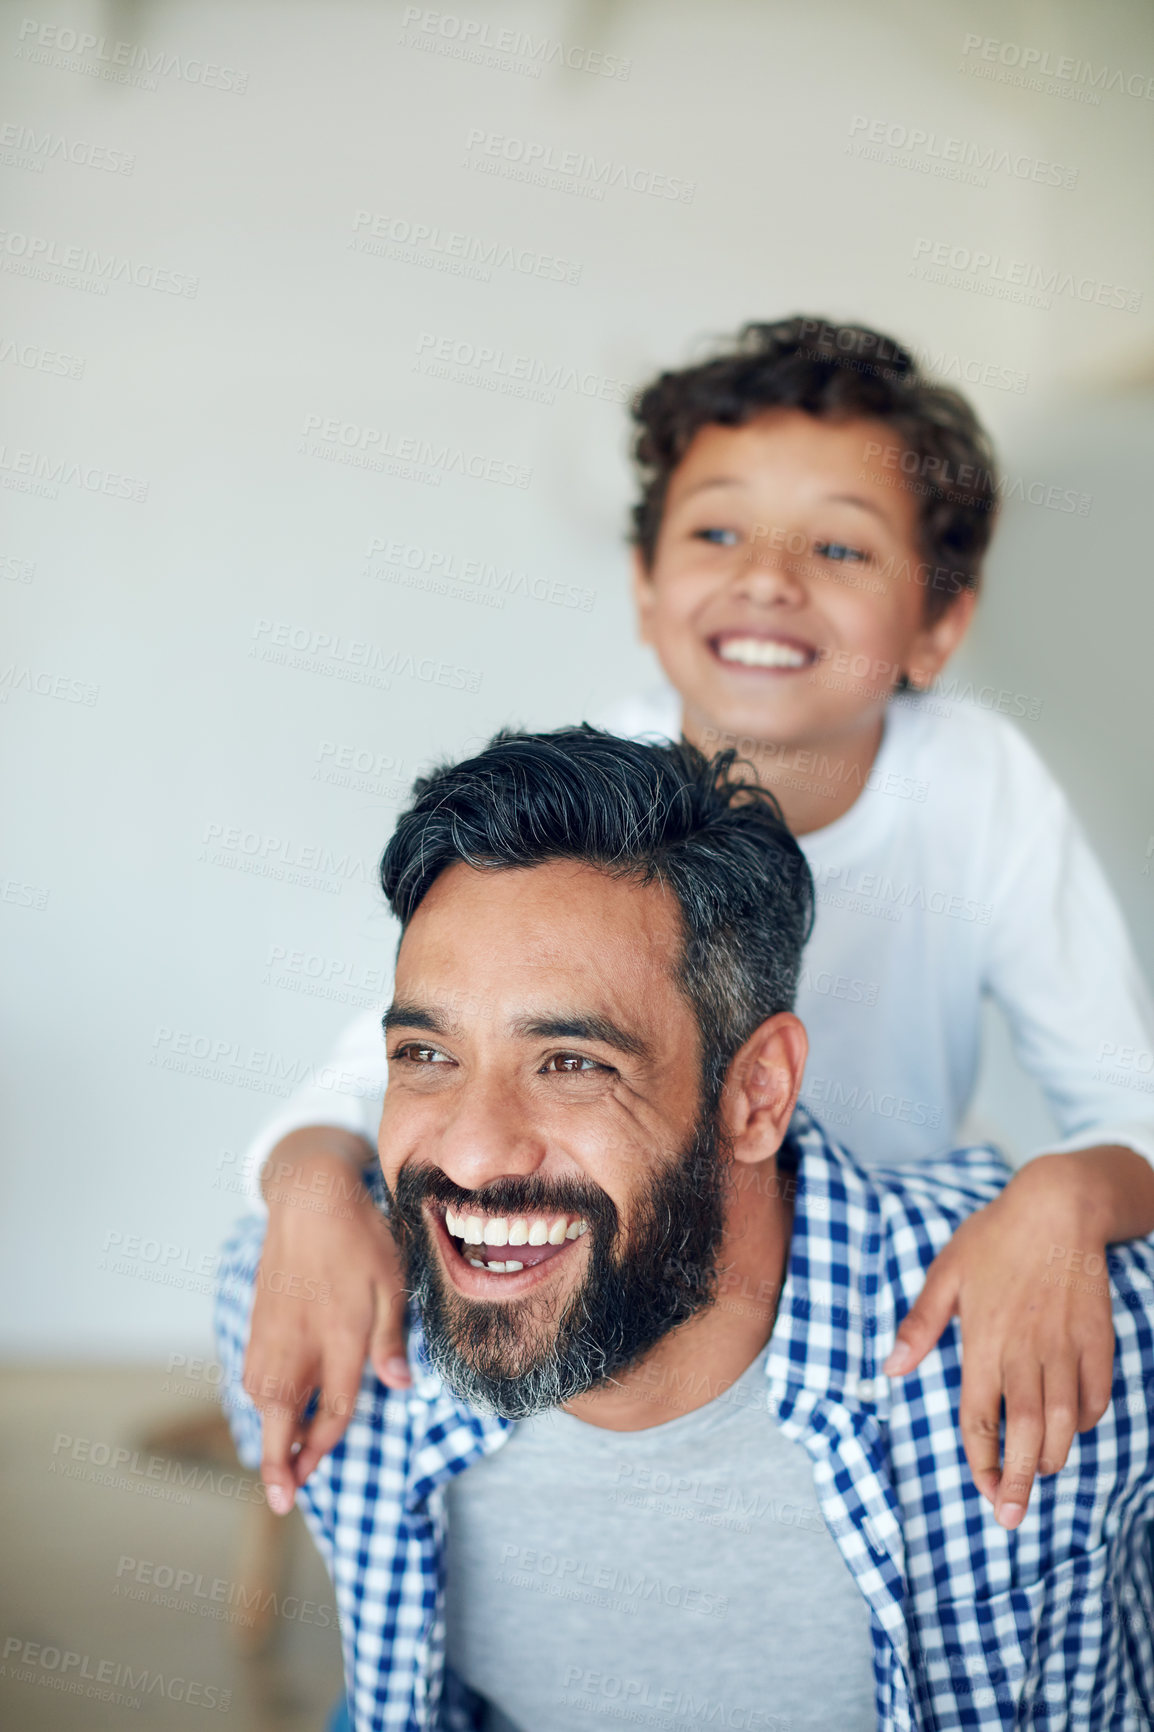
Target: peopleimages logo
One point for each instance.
(575, 171)
(36, 148)
(1016, 280)
(31, 255)
(929, 152)
(1040, 63)
(85, 1675)
(503, 49)
(460, 254)
(120, 62)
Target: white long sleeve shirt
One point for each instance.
(958, 873)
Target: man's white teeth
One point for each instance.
(515, 1230)
(760, 652)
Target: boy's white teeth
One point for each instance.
(761, 652)
(511, 1230)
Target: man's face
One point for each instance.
(558, 1201)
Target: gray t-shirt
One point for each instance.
(676, 1576)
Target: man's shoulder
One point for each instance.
(935, 1196)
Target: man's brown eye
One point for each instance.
(571, 1062)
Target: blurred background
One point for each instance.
(320, 320)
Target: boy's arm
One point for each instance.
(1060, 965)
(1027, 1278)
(1026, 1275)
(329, 1293)
(343, 1093)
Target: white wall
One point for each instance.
(205, 398)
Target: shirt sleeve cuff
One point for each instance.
(1136, 1136)
(311, 1107)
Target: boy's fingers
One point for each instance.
(279, 1431)
(387, 1341)
(1096, 1380)
(1060, 1395)
(979, 1417)
(341, 1385)
(283, 1392)
(1025, 1428)
(922, 1325)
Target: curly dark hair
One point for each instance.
(836, 373)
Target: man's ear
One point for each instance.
(644, 597)
(762, 1087)
(935, 644)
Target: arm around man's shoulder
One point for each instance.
(344, 1090)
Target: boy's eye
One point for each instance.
(416, 1052)
(571, 1063)
(718, 537)
(838, 550)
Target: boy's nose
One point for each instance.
(769, 576)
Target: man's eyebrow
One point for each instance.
(583, 1027)
(414, 1016)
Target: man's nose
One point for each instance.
(488, 1137)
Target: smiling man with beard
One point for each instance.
(649, 1468)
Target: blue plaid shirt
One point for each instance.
(1050, 1626)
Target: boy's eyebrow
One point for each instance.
(862, 504)
(714, 481)
(583, 1026)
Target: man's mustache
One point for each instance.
(517, 1194)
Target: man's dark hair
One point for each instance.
(835, 373)
(659, 813)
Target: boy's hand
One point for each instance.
(329, 1294)
(1026, 1275)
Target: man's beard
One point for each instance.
(494, 1355)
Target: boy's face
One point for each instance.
(787, 595)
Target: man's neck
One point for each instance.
(698, 1361)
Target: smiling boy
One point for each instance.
(809, 539)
